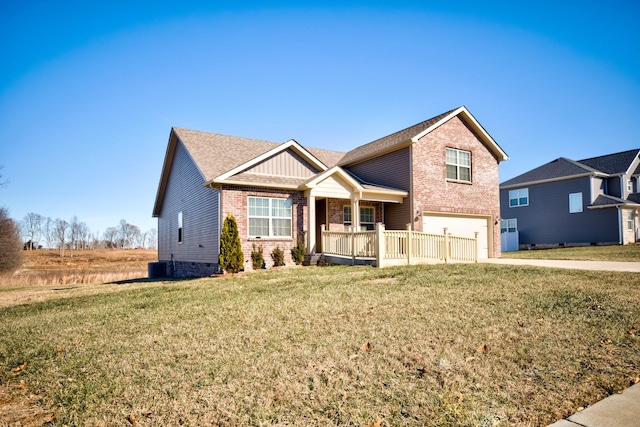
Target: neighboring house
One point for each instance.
(566, 202)
(442, 172)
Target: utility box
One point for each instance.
(157, 270)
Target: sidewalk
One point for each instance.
(617, 410)
(577, 265)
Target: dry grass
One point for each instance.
(43, 267)
(629, 253)
(474, 345)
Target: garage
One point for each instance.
(461, 226)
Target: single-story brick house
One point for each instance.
(442, 172)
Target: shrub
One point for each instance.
(10, 244)
(297, 252)
(231, 257)
(277, 255)
(257, 259)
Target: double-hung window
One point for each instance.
(367, 218)
(519, 197)
(629, 220)
(269, 217)
(458, 164)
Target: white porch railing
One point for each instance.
(399, 247)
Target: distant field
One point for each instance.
(445, 345)
(47, 267)
(629, 253)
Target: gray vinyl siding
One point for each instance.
(546, 220)
(286, 163)
(186, 193)
(390, 170)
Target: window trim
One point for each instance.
(629, 186)
(518, 198)
(458, 165)
(180, 228)
(630, 220)
(271, 217)
(572, 207)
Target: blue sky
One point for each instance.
(89, 93)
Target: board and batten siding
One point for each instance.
(186, 193)
(391, 170)
(286, 163)
(547, 220)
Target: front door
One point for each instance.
(321, 218)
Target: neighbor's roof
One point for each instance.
(411, 134)
(613, 164)
(563, 168)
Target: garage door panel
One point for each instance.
(461, 227)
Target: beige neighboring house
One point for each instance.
(440, 173)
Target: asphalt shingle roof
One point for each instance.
(610, 164)
(388, 142)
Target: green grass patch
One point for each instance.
(626, 253)
(430, 345)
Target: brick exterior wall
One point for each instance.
(235, 200)
(433, 192)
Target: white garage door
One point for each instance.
(459, 226)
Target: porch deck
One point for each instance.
(384, 248)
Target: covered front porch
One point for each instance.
(346, 221)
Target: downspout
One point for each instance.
(620, 230)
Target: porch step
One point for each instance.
(313, 259)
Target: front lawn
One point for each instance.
(461, 344)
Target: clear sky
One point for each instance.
(90, 90)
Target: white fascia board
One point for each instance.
(477, 127)
(214, 182)
(289, 144)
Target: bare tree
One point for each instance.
(5, 182)
(32, 229)
(10, 243)
(48, 227)
(60, 231)
(110, 237)
(152, 239)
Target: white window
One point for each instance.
(180, 235)
(519, 197)
(269, 217)
(629, 220)
(458, 164)
(508, 225)
(367, 218)
(575, 202)
(630, 186)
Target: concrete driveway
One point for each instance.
(576, 265)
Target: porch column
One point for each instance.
(311, 223)
(355, 214)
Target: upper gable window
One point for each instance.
(629, 186)
(575, 202)
(458, 165)
(519, 197)
(269, 217)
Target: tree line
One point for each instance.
(39, 232)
